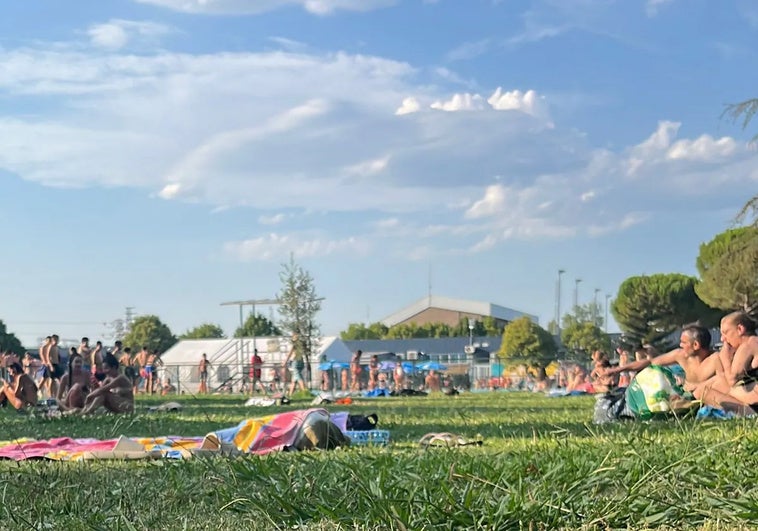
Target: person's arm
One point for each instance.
(44, 355)
(106, 387)
(669, 358)
(62, 386)
(708, 368)
(741, 363)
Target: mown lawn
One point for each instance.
(543, 465)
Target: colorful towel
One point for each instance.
(303, 429)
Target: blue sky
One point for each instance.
(170, 154)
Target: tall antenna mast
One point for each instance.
(429, 280)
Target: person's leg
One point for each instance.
(92, 403)
(118, 404)
(715, 393)
(75, 397)
(11, 398)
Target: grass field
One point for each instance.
(543, 465)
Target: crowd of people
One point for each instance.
(82, 380)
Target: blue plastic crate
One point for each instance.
(369, 437)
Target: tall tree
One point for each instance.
(745, 111)
(204, 331)
(360, 331)
(299, 306)
(649, 308)
(149, 331)
(581, 339)
(8, 341)
(728, 267)
(524, 341)
(256, 325)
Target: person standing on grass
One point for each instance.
(373, 372)
(203, 370)
(296, 362)
(355, 371)
(256, 371)
(96, 358)
(21, 391)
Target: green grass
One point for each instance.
(542, 466)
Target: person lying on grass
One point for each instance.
(734, 387)
(75, 384)
(694, 355)
(21, 392)
(115, 394)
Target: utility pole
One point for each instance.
(607, 298)
(558, 303)
(594, 307)
(576, 293)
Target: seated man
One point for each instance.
(694, 355)
(432, 381)
(115, 394)
(22, 391)
(734, 387)
(168, 388)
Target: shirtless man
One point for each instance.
(115, 394)
(54, 357)
(432, 381)
(96, 358)
(694, 355)
(44, 356)
(21, 391)
(85, 351)
(734, 387)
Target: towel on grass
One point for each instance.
(292, 430)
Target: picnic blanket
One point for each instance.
(292, 430)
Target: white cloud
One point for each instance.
(652, 6)
(276, 246)
(704, 148)
(408, 106)
(460, 102)
(117, 33)
(271, 220)
(320, 134)
(254, 7)
(515, 100)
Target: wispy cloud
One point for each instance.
(118, 33)
(254, 7)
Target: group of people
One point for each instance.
(87, 379)
(726, 379)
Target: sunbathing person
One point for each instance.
(75, 384)
(115, 394)
(734, 387)
(694, 355)
(21, 392)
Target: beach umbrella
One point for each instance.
(431, 366)
(333, 364)
(387, 365)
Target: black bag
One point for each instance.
(362, 423)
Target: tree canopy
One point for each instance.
(151, 332)
(9, 342)
(257, 325)
(204, 331)
(482, 327)
(581, 339)
(649, 308)
(728, 267)
(299, 306)
(524, 341)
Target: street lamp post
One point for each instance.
(558, 304)
(607, 298)
(471, 323)
(576, 293)
(594, 307)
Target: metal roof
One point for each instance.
(456, 305)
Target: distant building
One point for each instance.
(436, 309)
